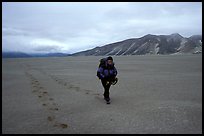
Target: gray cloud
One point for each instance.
(9, 31)
(44, 48)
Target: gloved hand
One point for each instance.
(114, 81)
(107, 82)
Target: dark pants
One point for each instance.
(106, 88)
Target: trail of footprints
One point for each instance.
(47, 102)
(72, 87)
(44, 97)
(68, 85)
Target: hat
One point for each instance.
(109, 58)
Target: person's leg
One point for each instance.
(106, 92)
(106, 89)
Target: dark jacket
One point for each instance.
(106, 72)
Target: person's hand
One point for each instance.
(107, 82)
(115, 81)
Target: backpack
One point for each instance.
(102, 62)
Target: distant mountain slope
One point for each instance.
(149, 44)
(15, 55)
(28, 55)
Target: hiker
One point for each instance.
(107, 74)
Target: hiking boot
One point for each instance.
(107, 99)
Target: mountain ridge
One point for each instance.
(149, 44)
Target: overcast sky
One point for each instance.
(72, 27)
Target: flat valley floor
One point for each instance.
(154, 94)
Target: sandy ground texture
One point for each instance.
(154, 94)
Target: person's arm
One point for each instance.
(115, 72)
(100, 73)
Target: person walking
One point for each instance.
(107, 74)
